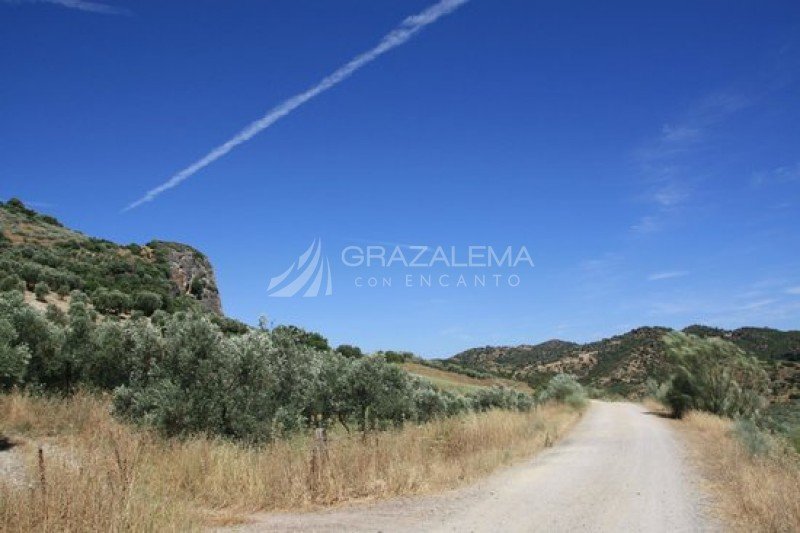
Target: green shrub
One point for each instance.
(147, 302)
(12, 283)
(63, 291)
(499, 398)
(111, 301)
(55, 315)
(793, 436)
(43, 340)
(755, 441)
(230, 326)
(396, 357)
(713, 375)
(429, 403)
(347, 350)
(41, 290)
(306, 338)
(31, 273)
(253, 386)
(13, 359)
(657, 391)
(179, 389)
(377, 394)
(197, 287)
(564, 388)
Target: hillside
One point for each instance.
(38, 249)
(623, 363)
(456, 382)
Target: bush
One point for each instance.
(147, 302)
(42, 339)
(564, 388)
(377, 394)
(755, 441)
(13, 359)
(307, 338)
(63, 292)
(181, 388)
(429, 403)
(657, 391)
(253, 386)
(31, 273)
(55, 315)
(12, 283)
(78, 297)
(351, 352)
(397, 357)
(111, 302)
(41, 290)
(197, 287)
(230, 325)
(499, 398)
(713, 375)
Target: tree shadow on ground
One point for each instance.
(6, 443)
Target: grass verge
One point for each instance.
(99, 474)
(754, 477)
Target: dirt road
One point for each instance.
(621, 469)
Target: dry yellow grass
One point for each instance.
(753, 493)
(103, 475)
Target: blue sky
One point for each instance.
(646, 154)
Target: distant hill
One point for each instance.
(623, 363)
(36, 249)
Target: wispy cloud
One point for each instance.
(658, 276)
(777, 176)
(398, 36)
(679, 134)
(758, 304)
(647, 224)
(80, 5)
(670, 194)
(793, 290)
(665, 160)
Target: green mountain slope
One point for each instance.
(624, 363)
(36, 249)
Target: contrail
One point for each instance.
(393, 39)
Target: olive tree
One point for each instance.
(13, 358)
(41, 290)
(147, 302)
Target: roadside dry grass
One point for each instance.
(102, 475)
(751, 492)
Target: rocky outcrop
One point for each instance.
(191, 273)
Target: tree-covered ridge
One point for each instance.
(37, 252)
(624, 363)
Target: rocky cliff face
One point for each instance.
(191, 273)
